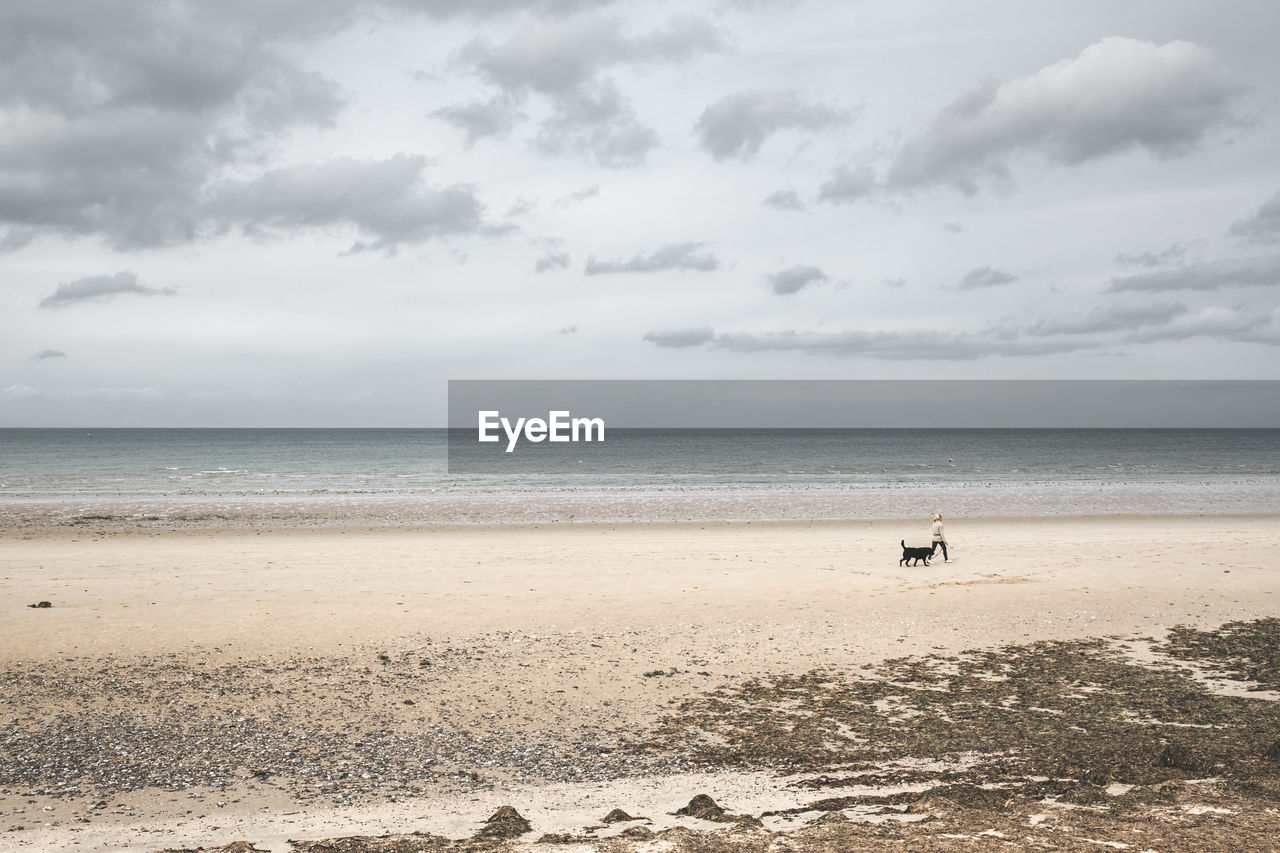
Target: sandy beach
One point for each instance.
(197, 687)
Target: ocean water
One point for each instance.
(647, 474)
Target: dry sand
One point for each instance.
(551, 644)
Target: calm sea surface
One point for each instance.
(659, 474)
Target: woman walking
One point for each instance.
(939, 538)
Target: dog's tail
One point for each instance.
(904, 544)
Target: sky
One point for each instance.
(289, 213)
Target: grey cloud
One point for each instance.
(567, 330)
(493, 8)
(894, 282)
(100, 288)
(985, 277)
(578, 196)
(599, 124)
(46, 354)
(675, 256)
(738, 125)
(1110, 319)
(912, 345)
(1261, 226)
(794, 279)
(1237, 324)
(14, 238)
(120, 114)
(133, 177)
(520, 207)
(846, 185)
(1149, 259)
(952, 227)
(119, 118)
(676, 338)
(566, 61)
(387, 201)
(282, 97)
(1263, 270)
(480, 119)
(1117, 94)
(1145, 323)
(561, 57)
(785, 200)
(553, 261)
(1161, 324)
(74, 58)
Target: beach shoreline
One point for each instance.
(507, 660)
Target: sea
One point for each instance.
(320, 476)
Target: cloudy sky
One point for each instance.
(315, 212)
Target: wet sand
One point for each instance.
(198, 686)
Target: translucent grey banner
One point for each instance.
(506, 426)
(728, 404)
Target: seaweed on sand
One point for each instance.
(1248, 651)
(1077, 709)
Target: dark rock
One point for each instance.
(703, 807)
(617, 816)
(680, 835)
(506, 822)
(1181, 757)
(642, 832)
(41, 604)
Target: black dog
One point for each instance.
(916, 554)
